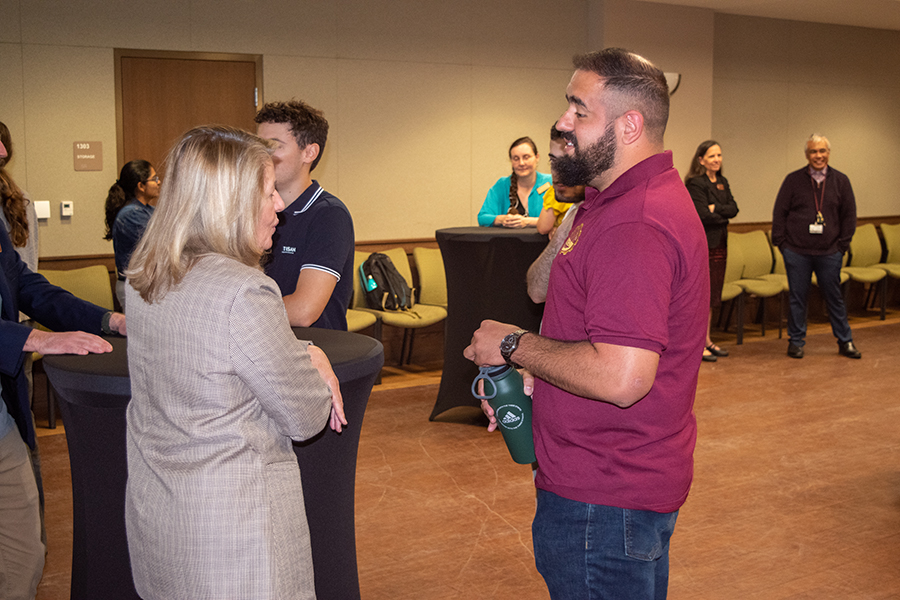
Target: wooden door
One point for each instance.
(162, 95)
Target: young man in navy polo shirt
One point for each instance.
(312, 249)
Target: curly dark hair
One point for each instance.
(308, 124)
(12, 198)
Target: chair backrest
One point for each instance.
(757, 254)
(776, 253)
(891, 235)
(89, 283)
(400, 260)
(734, 263)
(865, 247)
(359, 297)
(432, 279)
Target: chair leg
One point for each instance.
(761, 314)
(883, 296)
(740, 319)
(728, 315)
(403, 347)
(780, 312)
(870, 300)
(762, 306)
(376, 333)
(376, 330)
(51, 405)
(409, 350)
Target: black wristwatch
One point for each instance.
(104, 323)
(509, 344)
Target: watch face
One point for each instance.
(509, 344)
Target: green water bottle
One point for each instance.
(504, 391)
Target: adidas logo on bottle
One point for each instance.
(510, 418)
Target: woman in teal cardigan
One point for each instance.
(516, 200)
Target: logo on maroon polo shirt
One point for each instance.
(571, 240)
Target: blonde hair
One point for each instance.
(210, 203)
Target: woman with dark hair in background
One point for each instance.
(517, 199)
(715, 205)
(129, 206)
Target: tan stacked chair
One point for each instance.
(421, 315)
(752, 254)
(863, 266)
(891, 264)
(88, 283)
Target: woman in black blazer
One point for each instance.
(715, 205)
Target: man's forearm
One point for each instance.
(306, 304)
(620, 375)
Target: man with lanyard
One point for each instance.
(313, 245)
(615, 366)
(812, 224)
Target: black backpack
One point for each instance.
(385, 287)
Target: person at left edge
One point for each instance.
(74, 325)
(313, 246)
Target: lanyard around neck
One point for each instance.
(819, 200)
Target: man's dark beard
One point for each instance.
(586, 165)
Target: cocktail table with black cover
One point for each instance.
(93, 393)
(486, 268)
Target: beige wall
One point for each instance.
(776, 82)
(679, 40)
(424, 96)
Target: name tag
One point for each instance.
(816, 228)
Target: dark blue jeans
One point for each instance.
(799, 269)
(594, 552)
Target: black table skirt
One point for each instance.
(93, 393)
(486, 269)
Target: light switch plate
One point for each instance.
(42, 208)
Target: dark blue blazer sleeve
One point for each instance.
(29, 292)
(54, 307)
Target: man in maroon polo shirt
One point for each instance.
(616, 364)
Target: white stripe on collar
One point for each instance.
(315, 196)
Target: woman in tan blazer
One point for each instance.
(220, 386)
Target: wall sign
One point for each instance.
(88, 156)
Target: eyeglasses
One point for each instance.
(154, 178)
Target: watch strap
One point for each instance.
(509, 345)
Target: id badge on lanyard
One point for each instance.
(818, 227)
